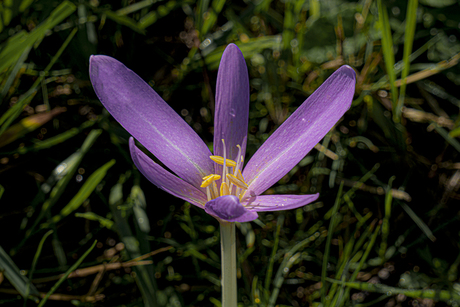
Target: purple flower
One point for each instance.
(218, 183)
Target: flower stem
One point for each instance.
(228, 250)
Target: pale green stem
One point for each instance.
(228, 252)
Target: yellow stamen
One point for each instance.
(224, 189)
(240, 176)
(220, 160)
(209, 179)
(236, 181)
(231, 180)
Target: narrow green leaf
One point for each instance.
(139, 207)
(19, 281)
(84, 192)
(330, 231)
(94, 217)
(360, 265)
(63, 174)
(411, 23)
(135, 7)
(289, 257)
(420, 223)
(388, 53)
(252, 47)
(144, 274)
(35, 260)
(386, 220)
(53, 141)
(11, 114)
(64, 277)
(124, 20)
(438, 295)
(28, 124)
(25, 4)
(211, 16)
(16, 45)
(447, 137)
(290, 20)
(268, 277)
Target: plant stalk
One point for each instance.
(228, 252)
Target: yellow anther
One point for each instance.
(220, 160)
(239, 183)
(224, 189)
(239, 176)
(209, 179)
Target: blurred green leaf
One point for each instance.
(388, 54)
(16, 44)
(67, 273)
(27, 125)
(94, 217)
(14, 276)
(438, 3)
(12, 113)
(144, 275)
(85, 191)
(411, 23)
(439, 295)
(124, 20)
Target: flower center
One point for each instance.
(232, 181)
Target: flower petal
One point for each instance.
(232, 103)
(164, 180)
(278, 202)
(146, 116)
(301, 131)
(230, 209)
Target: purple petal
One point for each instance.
(164, 180)
(230, 209)
(301, 131)
(146, 116)
(232, 103)
(278, 202)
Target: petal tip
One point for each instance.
(232, 50)
(348, 71)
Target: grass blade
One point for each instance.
(17, 44)
(64, 277)
(10, 115)
(388, 54)
(37, 255)
(411, 23)
(386, 221)
(268, 278)
(19, 282)
(84, 192)
(439, 295)
(328, 244)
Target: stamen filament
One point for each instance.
(214, 191)
(208, 193)
(224, 168)
(237, 168)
